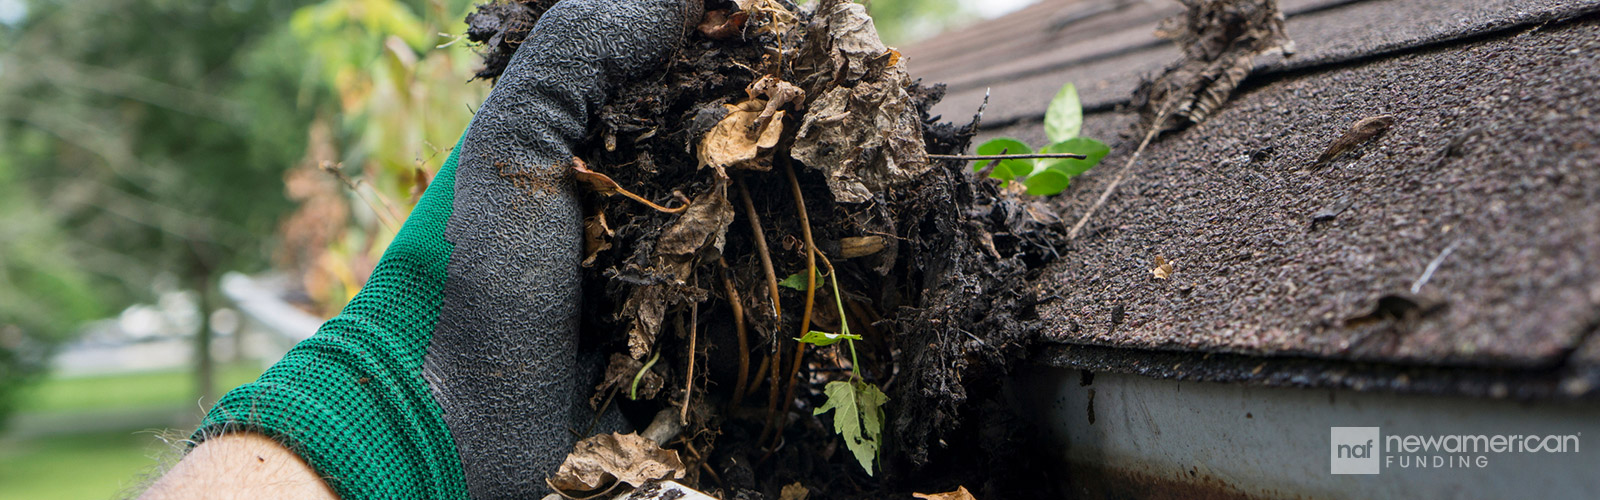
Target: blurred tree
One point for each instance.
(133, 142)
(906, 21)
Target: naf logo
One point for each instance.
(1355, 450)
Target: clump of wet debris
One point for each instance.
(783, 150)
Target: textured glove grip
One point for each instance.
(502, 363)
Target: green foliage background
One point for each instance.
(142, 138)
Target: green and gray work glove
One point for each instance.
(453, 373)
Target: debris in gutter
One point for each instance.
(1163, 269)
(1364, 130)
(1220, 41)
(1396, 307)
(1331, 211)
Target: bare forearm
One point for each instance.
(240, 465)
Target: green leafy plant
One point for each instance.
(857, 406)
(1047, 176)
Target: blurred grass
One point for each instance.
(128, 391)
(97, 465)
(39, 461)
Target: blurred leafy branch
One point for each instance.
(141, 139)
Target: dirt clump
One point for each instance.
(788, 144)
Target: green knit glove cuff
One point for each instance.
(351, 400)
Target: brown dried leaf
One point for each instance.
(647, 305)
(1163, 269)
(866, 137)
(596, 237)
(703, 225)
(730, 143)
(860, 246)
(598, 461)
(595, 181)
(960, 493)
(1220, 41)
(778, 93)
(721, 25)
(1363, 131)
(794, 491)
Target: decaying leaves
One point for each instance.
(1163, 269)
(794, 491)
(596, 237)
(745, 137)
(722, 25)
(860, 246)
(861, 129)
(1364, 130)
(598, 461)
(1221, 40)
(730, 145)
(960, 493)
(702, 227)
(594, 181)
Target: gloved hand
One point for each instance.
(453, 371)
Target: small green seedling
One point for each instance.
(857, 406)
(1047, 176)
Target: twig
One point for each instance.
(1008, 157)
(651, 204)
(811, 291)
(1155, 128)
(694, 331)
(761, 248)
(758, 379)
(384, 212)
(744, 342)
(1427, 274)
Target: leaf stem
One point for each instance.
(633, 392)
(1072, 156)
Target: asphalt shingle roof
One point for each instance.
(1493, 162)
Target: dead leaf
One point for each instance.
(778, 94)
(595, 181)
(1163, 269)
(647, 306)
(860, 246)
(960, 493)
(730, 143)
(703, 225)
(1220, 41)
(794, 491)
(860, 130)
(721, 25)
(600, 460)
(596, 237)
(1364, 130)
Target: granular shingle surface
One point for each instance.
(1493, 163)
